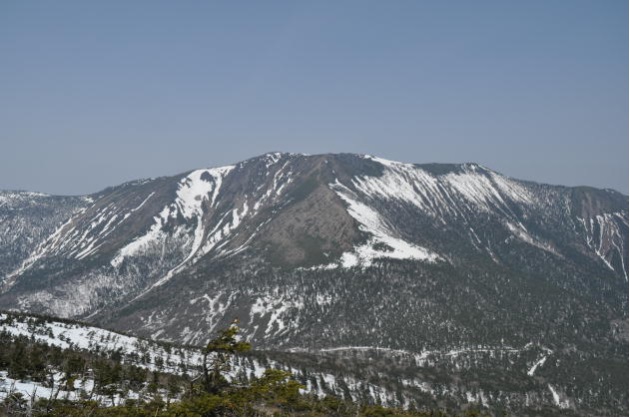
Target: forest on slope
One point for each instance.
(41, 379)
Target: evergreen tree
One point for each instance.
(217, 355)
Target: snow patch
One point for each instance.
(564, 404)
(383, 242)
(538, 364)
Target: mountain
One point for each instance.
(344, 253)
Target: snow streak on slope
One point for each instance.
(194, 190)
(77, 241)
(383, 242)
(442, 197)
(406, 183)
(486, 192)
(521, 233)
(197, 199)
(274, 307)
(467, 189)
(605, 238)
(102, 225)
(562, 403)
(45, 247)
(437, 194)
(536, 365)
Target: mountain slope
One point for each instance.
(328, 251)
(524, 382)
(293, 213)
(26, 219)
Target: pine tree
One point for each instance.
(221, 348)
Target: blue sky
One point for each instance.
(96, 93)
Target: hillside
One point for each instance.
(467, 279)
(89, 367)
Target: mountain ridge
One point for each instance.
(424, 165)
(479, 189)
(339, 250)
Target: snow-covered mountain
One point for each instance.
(328, 251)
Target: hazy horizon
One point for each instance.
(97, 94)
(273, 151)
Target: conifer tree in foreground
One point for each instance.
(217, 355)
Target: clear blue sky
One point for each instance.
(96, 93)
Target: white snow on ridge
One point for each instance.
(512, 189)
(198, 187)
(483, 191)
(476, 184)
(32, 390)
(212, 314)
(224, 228)
(141, 243)
(193, 191)
(383, 243)
(103, 223)
(141, 204)
(407, 184)
(272, 158)
(8, 197)
(473, 188)
(280, 180)
(386, 162)
(603, 236)
(71, 241)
